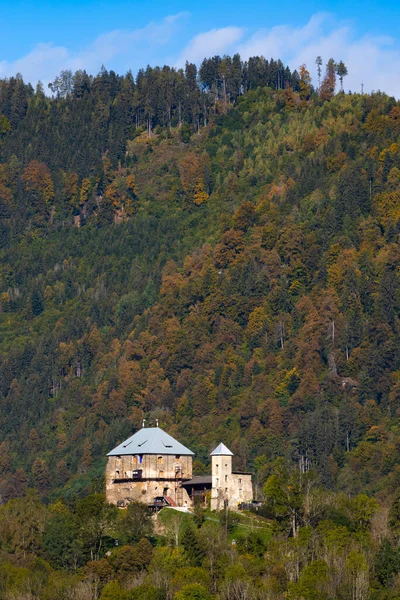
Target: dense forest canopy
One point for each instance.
(218, 249)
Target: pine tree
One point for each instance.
(192, 547)
(318, 62)
(341, 71)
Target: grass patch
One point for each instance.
(167, 516)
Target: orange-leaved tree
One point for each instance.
(327, 89)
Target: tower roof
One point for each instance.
(221, 450)
(150, 440)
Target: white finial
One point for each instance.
(156, 422)
(144, 421)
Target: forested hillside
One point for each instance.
(219, 250)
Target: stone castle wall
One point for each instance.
(229, 488)
(236, 489)
(142, 478)
(160, 476)
(241, 490)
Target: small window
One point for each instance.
(117, 472)
(240, 481)
(217, 481)
(160, 459)
(161, 473)
(178, 456)
(226, 477)
(140, 458)
(226, 490)
(226, 465)
(216, 467)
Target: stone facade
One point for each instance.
(144, 477)
(154, 468)
(228, 489)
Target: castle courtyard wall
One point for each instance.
(234, 489)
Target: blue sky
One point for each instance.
(39, 38)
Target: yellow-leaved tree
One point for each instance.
(71, 188)
(193, 170)
(38, 181)
(121, 193)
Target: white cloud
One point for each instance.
(280, 40)
(210, 43)
(373, 60)
(45, 61)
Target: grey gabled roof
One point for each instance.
(221, 450)
(150, 440)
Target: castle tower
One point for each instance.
(221, 476)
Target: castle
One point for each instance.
(154, 468)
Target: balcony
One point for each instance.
(136, 476)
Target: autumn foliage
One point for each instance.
(38, 181)
(235, 275)
(194, 172)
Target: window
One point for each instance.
(216, 468)
(178, 456)
(140, 458)
(240, 481)
(161, 473)
(160, 459)
(226, 490)
(226, 477)
(117, 472)
(217, 481)
(226, 465)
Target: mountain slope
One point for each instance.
(239, 283)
